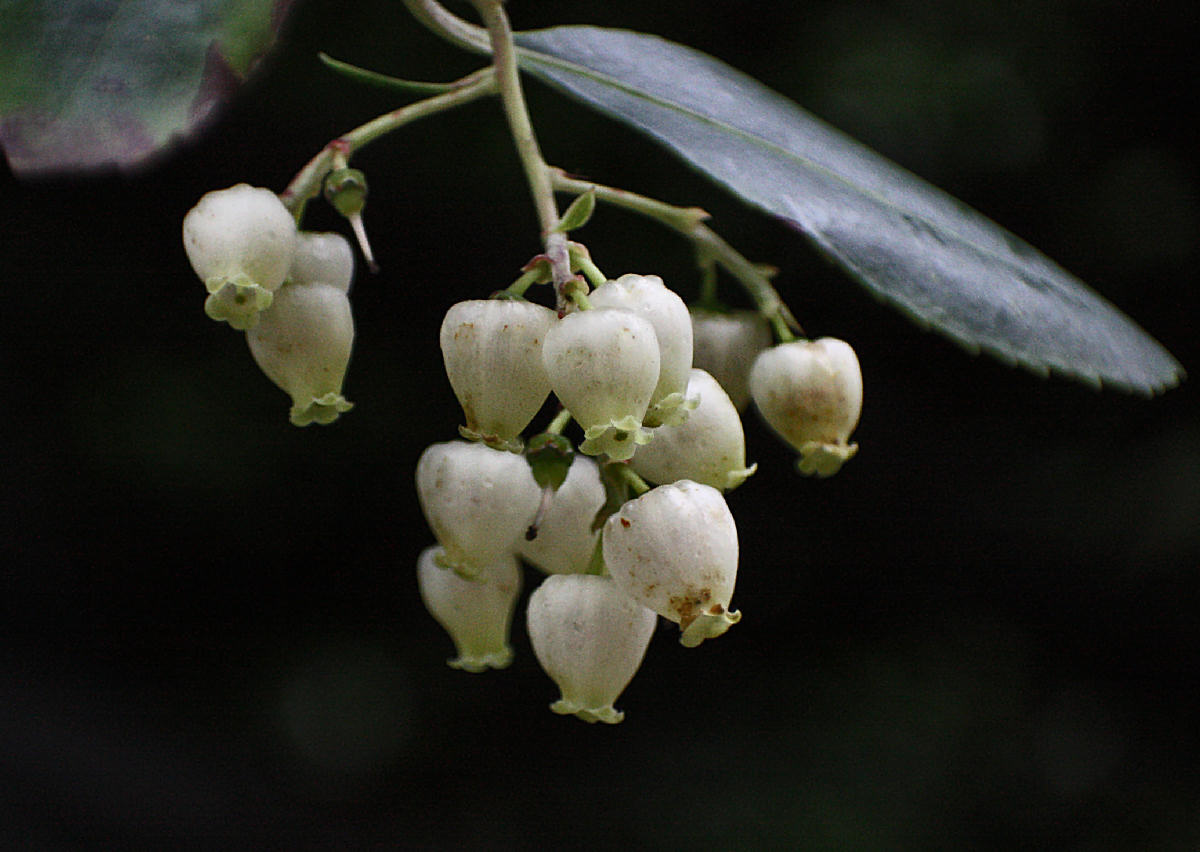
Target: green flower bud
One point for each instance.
(346, 190)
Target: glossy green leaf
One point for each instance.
(88, 84)
(945, 265)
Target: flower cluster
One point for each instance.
(287, 289)
(632, 527)
(635, 526)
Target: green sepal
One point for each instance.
(323, 410)
(549, 458)
(511, 445)
(346, 190)
(734, 478)
(824, 459)
(618, 438)
(708, 625)
(476, 663)
(385, 81)
(671, 410)
(609, 714)
(236, 300)
(578, 213)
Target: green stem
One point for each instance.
(307, 182)
(559, 422)
(581, 260)
(689, 221)
(635, 482)
(450, 27)
(708, 280)
(537, 173)
(575, 290)
(522, 284)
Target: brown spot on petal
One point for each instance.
(688, 606)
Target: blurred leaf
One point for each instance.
(940, 262)
(89, 84)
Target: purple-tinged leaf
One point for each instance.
(94, 84)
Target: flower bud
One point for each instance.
(675, 550)
(346, 190)
(240, 242)
(565, 540)
(492, 349)
(709, 447)
(603, 366)
(476, 613)
(725, 345)
(478, 502)
(648, 297)
(810, 393)
(303, 342)
(590, 638)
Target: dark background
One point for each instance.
(981, 634)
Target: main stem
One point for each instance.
(537, 173)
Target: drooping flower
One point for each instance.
(810, 393)
(492, 349)
(303, 343)
(603, 366)
(648, 297)
(565, 541)
(478, 501)
(475, 613)
(240, 242)
(726, 344)
(674, 549)
(709, 447)
(590, 638)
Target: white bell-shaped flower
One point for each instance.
(476, 613)
(590, 638)
(240, 242)
(648, 297)
(303, 343)
(810, 393)
(603, 366)
(726, 344)
(565, 541)
(478, 501)
(322, 257)
(492, 349)
(709, 447)
(675, 550)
